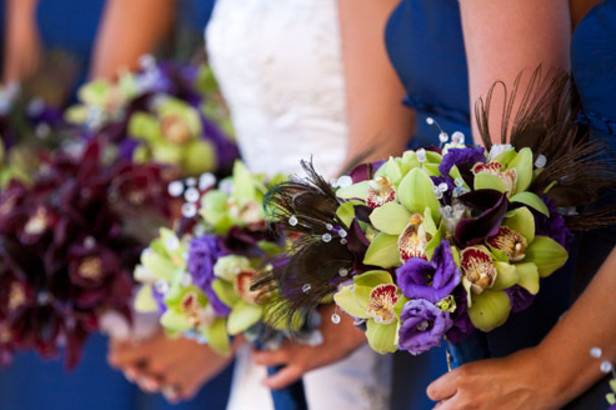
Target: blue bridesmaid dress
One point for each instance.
(425, 43)
(593, 54)
(30, 383)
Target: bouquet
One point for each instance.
(166, 113)
(68, 244)
(199, 280)
(443, 241)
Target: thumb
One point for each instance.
(284, 377)
(444, 387)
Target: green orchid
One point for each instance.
(242, 206)
(171, 134)
(234, 275)
(375, 298)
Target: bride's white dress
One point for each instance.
(279, 66)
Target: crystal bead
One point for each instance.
(457, 138)
(344, 181)
(175, 188)
(342, 233)
(191, 181)
(606, 367)
(293, 220)
(43, 298)
(421, 155)
(443, 137)
(192, 195)
(326, 237)
(206, 180)
(596, 352)
(336, 318)
(189, 210)
(329, 227)
(443, 187)
(430, 121)
(306, 288)
(343, 241)
(541, 161)
(89, 242)
(343, 272)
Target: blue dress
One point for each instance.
(30, 383)
(426, 47)
(593, 53)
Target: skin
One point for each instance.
(519, 381)
(154, 19)
(22, 52)
(175, 368)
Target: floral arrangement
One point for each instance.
(444, 241)
(68, 244)
(166, 113)
(200, 280)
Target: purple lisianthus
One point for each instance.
(520, 298)
(553, 226)
(462, 325)
(462, 157)
(431, 280)
(203, 254)
(423, 326)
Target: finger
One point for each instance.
(444, 387)
(171, 393)
(452, 403)
(148, 384)
(131, 374)
(124, 356)
(284, 377)
(271, 357)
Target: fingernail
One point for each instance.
(150, 385)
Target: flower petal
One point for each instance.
(390, 218)
(383, 251)
(547, 254)
(382, 338)
(243, 316)
(416, 193)
(489, 310)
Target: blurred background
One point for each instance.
(71, 37)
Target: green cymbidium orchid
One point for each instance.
(232, 285)
(240, 206)
(374, 297)
(171, 134)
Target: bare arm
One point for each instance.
(22, 53)
(504, 37)
(377, 120)
(129, 29)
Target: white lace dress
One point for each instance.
(279, 67)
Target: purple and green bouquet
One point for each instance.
(200, 280)
(443, 241)
(69, 241)
(164, 113)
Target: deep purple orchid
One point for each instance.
(463, 158)
(423, 326)
(431, 280)
(520, 298)
(488, 208)
(203, 254)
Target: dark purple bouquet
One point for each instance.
(68, 244)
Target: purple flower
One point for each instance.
(462, 325)
(488, 208)
(433, 280)
(462, 157)
(423, 326)
(553, 226)
(520, 298)
(203, 254)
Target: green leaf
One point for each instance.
(373, 278)
(523, 164)
(217, 337)
(390, 218)
(529, 277)
(243, 316)
(382, 338)
(506, 277)
(215, 211)
(383, 251)
(547, 254)
(144, 300)
(522, 221)
(346, 213)
(531, 199)
(159, 266)
(352, 303)
(416, 193)
(485, 180)
(225, 292)
(355, 191)
(489, 310)
(144, 126)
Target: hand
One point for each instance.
(516, 382)
(176, 368)
(339, 341)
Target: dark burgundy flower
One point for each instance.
(488, 208)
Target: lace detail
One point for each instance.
(280, 68)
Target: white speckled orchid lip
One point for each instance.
(380, 192)
(381, 303)
(414, 239)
